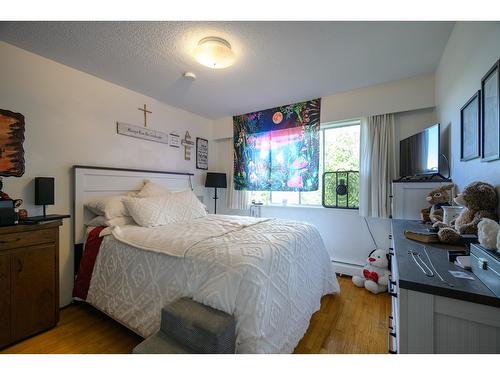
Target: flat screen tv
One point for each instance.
(419, 154)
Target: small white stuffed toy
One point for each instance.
(488, 233)
(498, 242)
(375, 274)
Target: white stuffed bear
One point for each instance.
(375, 274)
(498, 242)
(488, 233)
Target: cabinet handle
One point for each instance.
(389, 336)
(391, 293)
(10, 241)
(19, 265)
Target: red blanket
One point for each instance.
(90, 252)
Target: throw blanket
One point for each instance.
(90, 252)
(270, 275)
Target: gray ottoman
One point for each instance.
(160, 343)
(191, 327)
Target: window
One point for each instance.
(339, 150)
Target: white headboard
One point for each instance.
(92, 182)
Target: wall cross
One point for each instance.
(145, 114)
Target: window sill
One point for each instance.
(315, 207)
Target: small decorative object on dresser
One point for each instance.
(479, 200)
(490, 114)
(437, 198)
(29, 280)
(488, 233)
(201, 153)
(469, 128)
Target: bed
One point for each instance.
(269, 273)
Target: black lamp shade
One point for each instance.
(44, 190)
(216, 180)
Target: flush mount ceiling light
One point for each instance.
(214, 52)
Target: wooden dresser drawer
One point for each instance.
(28, 238)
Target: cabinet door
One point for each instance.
(4, 299)
(33, 290)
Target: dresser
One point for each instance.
(29, 280)
(432, 316)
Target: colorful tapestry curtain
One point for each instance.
(278, 149)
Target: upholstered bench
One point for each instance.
(160, 343)
(191, 327)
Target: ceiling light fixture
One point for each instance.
(214, 52)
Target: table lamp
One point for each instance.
(216, 180)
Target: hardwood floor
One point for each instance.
(353, 322)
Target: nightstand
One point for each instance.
(29, 280)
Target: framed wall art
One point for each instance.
(174, 140)
(490, 118)
(201, 153)
(470, 125)
(11, 143)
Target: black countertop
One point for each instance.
(411, 276)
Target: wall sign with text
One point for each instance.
(201, 153)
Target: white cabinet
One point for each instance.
(408, 198)
(430, 319)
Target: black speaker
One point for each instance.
(44, 191)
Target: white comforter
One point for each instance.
(270, 275)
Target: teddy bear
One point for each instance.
(479, 200)
(488, 232)
(375, 274)
(437, 198)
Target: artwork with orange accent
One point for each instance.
(11, 143)
(277, 149)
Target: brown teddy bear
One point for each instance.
(438, 198)
(479, 200)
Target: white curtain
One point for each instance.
(378, 165)
(235, 199)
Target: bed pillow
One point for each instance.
(101, 221)
(150, 189)
(175, 207)
(109, 207)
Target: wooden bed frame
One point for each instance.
(91, 182)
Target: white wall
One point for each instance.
(472, 49)
(399, 96)
(344, 232)
(71, 119)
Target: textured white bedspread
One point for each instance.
(177, 239)
(270, 275)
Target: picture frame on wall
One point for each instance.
(201, 153)
(11, 144)
(490, 114)
(470, 128)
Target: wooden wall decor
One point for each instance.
(11, 143)
(188, 144)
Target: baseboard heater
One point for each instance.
(346, 268)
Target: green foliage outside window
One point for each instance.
(339, 150)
